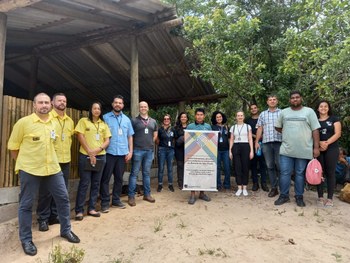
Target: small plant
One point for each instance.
(281, 212)
(181, 225)
(212, 252)
(301, 213)
(337, 257)
(73, 255)
(158, 226)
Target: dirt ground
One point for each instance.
(227, 229)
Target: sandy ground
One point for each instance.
(227, 229)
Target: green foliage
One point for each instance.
(73, 255)
(249, 49)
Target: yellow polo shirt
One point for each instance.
(95, 133)
(34, 139)
(64, 127)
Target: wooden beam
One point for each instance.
(65, 75)
(204, 98)
(34, 65)
(8, 5)
(134, 78)
(60, 8)
(114, 8)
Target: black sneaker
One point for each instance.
(299, 200)
(43, 226)
(119, 204)
(255, 187)
(264, 187)
(273, 192)
(160, 187)
(171, 188)
(104, 209)
(281, 200)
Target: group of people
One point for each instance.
(274, 142)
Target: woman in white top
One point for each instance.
(241, 151)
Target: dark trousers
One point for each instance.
(240, 152)
(87, 178)
(328, 160)
(115, 164)
(47, 209)
(254, 163)
(30, 185)
(180, 156)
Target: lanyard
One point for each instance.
(119, 122)
(239, 131)
(97, 128)
(145, 122)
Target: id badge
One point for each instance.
(146, 130)
(63, 137)
(53, 135)
(169, 143)
(120, 131)
(221, 140)
(97, 136)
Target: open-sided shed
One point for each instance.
(94, 49)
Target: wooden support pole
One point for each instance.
(3, 24)
(134, 78)
(181, 106)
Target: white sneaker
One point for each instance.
(239, 192)
(245, 192)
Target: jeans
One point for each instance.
(262, 168)
(46, 209)
(165, 154)
(288, 165)
(29, 188)
(224, 157)
(87, 177)
(144, 158)
(271, 151)
(115, 165)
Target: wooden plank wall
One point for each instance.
(13, 110)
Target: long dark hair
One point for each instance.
(90, 111)
(178, 119)
(330, 112)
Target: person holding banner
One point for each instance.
(181, 125)
(199, 124)
(241, 151)
(218, 120)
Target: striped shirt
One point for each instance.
(267, 119)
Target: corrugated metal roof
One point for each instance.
(83, 49)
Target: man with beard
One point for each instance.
(119, 152)
(32, 146)
(64, 128)
(299, 127)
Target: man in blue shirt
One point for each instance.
(119, 152)
(199, 124)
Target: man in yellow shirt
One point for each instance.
(32, 146)
(64, 128)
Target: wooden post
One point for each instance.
(3, 24)
(181, 106)
(34, 64)
(134, 78)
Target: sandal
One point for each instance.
(94, 213)
(79, 217)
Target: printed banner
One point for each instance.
(201, 153)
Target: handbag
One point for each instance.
(314, 172)
(93, 168)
